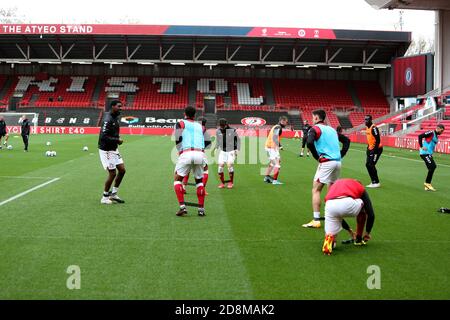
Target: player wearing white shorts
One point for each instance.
(347, 198)
(190, 143)
(228, 143)
(207, 138)
(273, 146)
(108, 142)
(323, 142)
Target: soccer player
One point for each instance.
(427, 150)
(108, 142)
(229, 143)
(273, 146)
(347, 198)
(323, 142)
(207, 138)
(190, 143)
(3, 132)
(305, 130)
(374, 151)
(25, 132)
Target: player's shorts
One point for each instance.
(227, 157)
(190, 160)
(110, 159)
(328, 172)
(273, 154)
(337, 209)
(2, 134)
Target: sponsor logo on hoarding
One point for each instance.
(409, 76)
(129, 120)
(253, 121)
(301, 33)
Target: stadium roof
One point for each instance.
(146, 44)
(411, 4)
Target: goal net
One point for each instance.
(14, 120)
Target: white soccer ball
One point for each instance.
(48, 153)
(85, 148)
(48, 143)
(9, 147)
(53, 153)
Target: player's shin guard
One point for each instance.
(178, 187)
(201, 195)
(205, 178)
(360, 223)
(276, 172)
(221, 176)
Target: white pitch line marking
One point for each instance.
(395, 157)
(28, 191)
(24, 177)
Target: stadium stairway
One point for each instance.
(130, 100)
(295, 119)
(6, 87)
(344, 121)
(211, 120)
(192, 93)
(270, 99)
(98, 89)
(354, 95)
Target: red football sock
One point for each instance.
(222, 178)
(179, 192)
(205, 179)
(186, 179)
(231, 177)
(201, 196)
(276, 173)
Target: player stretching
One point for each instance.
(347, 198)
(3, 132)
(426, 152)
(374, 151)
(323, 142)
(190, 144)
(229, 143)
(273, 147)
(108, 142)
(203, 121)
(305, 130)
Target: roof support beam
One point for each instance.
(162, 56)
(67, 52)
(54, 51)
(295, 57)
(371, 56)
(97, 55)
(233, 54)
(27, 55)
(129, 56)
(196, 57)
(261, 58)
(334, 55)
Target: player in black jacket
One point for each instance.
(108, 142)
(3, 132)
(305, 130)
(25, 132)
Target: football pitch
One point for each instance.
(249, 246)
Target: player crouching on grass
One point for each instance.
(108, 142)
(427, 150)
(229, 143)
(273, 147)
(347, 198)
(190, 143)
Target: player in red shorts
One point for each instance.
(347, 198)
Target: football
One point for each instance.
(9, 147)
(85, 148)
(47, 153)
(48, 143)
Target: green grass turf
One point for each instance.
(250, 246)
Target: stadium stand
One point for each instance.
(430, 124)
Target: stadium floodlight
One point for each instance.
(18, 61)
(210, 64)
(307, 66)
(242, 65)
(49, 62)
(274, 65)
(334, 67)
(112, 62)
(178, 63)
(146, 63)
(345, 66)
(82, 62)
(367, 68)
(380, 67)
